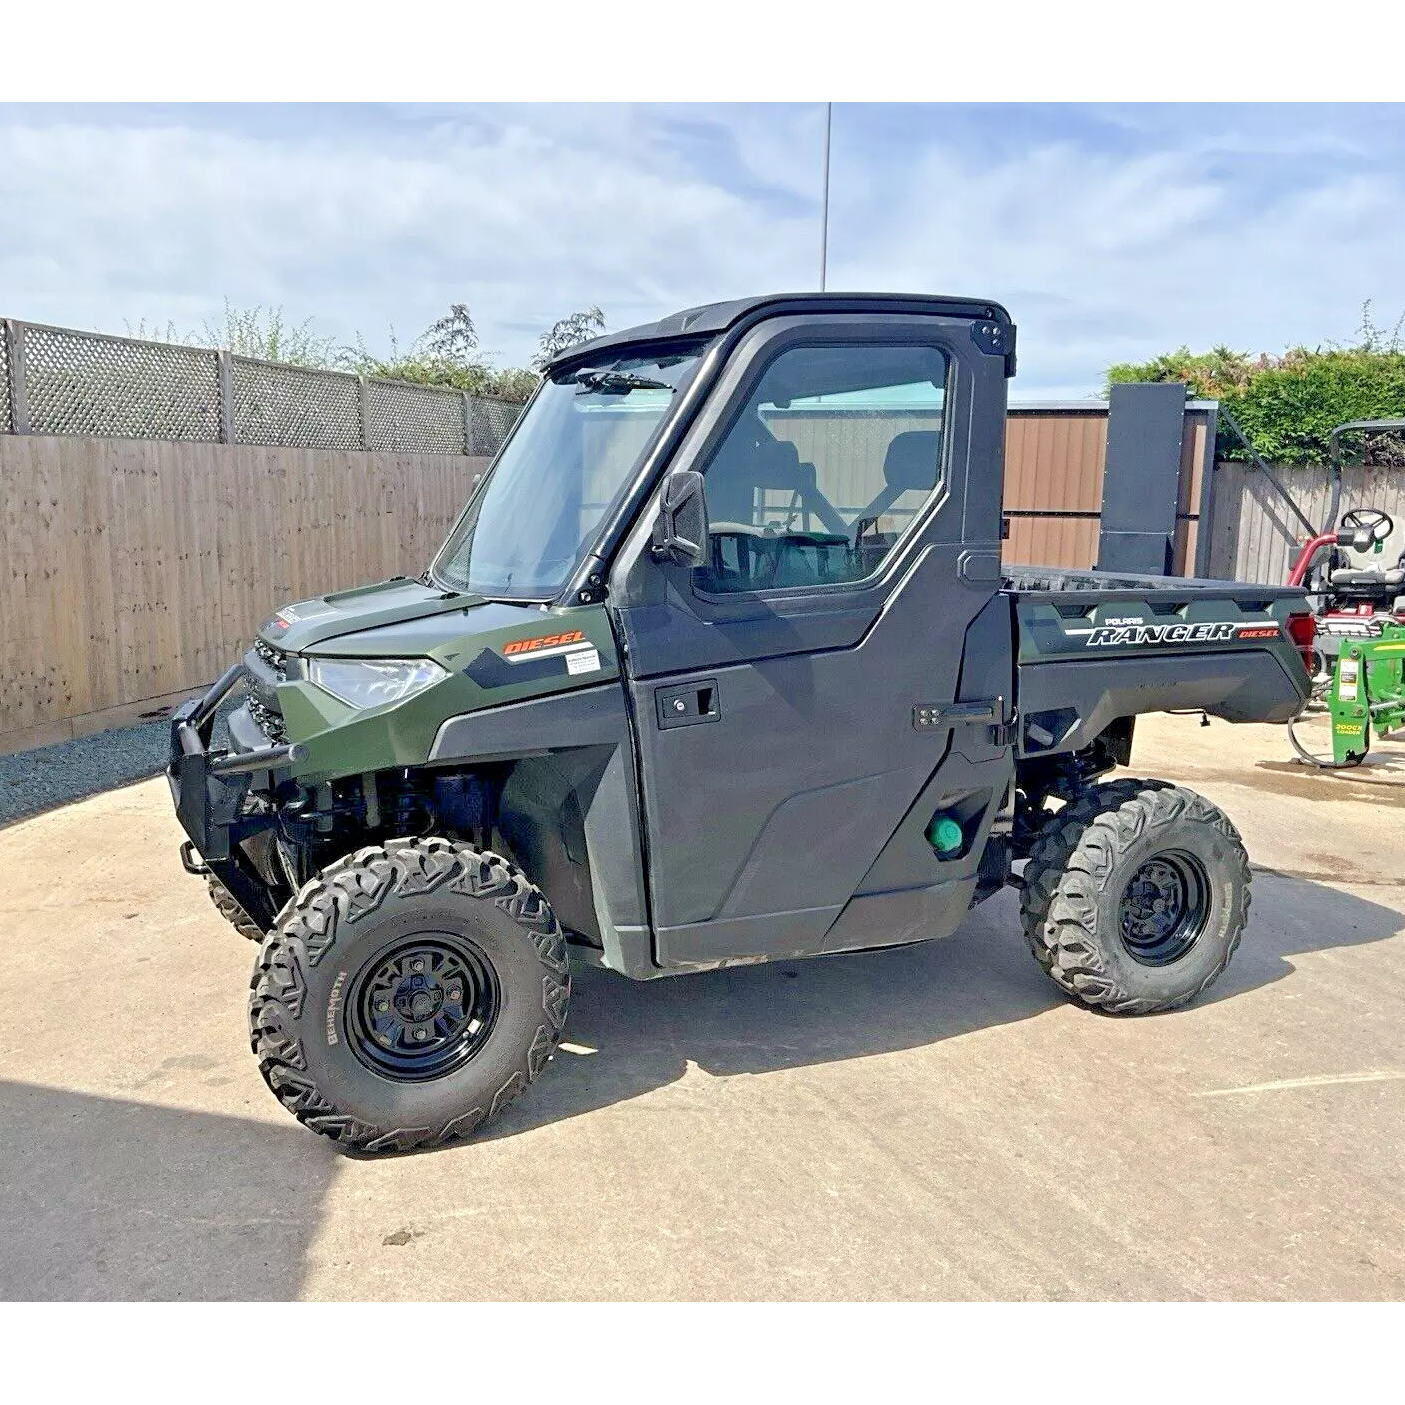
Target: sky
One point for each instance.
(1111, 233)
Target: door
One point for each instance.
(787, 695)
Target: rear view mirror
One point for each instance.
(680, 530)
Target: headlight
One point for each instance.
(374, 682)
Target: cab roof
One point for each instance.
(717, 317)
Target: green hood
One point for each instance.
(298, 627)
(493, 653)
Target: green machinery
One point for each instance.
(1367, 694)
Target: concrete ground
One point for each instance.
(935, 1122)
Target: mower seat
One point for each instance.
(1393, 579)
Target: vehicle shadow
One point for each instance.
(625, 1039)
(105, 1198)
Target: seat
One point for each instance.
(1347, 576)
(910, 465)
(772, 465)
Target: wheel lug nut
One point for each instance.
(382, 1006)
(417, 965)
(454, 992)
(421, 1034)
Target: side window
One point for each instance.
(826, 467)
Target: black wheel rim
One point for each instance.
(1165, 908)
(422, 1008)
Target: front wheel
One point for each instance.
(1135, 896)
(408, 994)
(229, 908)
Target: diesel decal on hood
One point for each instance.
(546, 644)
(1209, 632)
(540, 657)
(580, 654)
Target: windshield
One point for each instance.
(566, 464)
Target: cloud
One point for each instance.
(1110, 233)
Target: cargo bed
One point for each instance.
(1094, 647)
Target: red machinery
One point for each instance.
(1350, 601)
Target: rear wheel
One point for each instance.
(1135, 896)
(408, 994)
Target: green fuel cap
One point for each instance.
(945, 835)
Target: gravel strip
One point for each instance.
(33, 781)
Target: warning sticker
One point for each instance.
(585, 660)
(308, 610)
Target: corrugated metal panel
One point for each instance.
(1054, 470)
(847, 451)
(1054, 461)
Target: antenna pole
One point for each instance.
(824, 211)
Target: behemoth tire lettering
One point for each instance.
(333, 1005)
(546, 641)
(1216, 632)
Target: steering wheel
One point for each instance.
(1376, 524)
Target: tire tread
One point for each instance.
(350, 889)
(1070, 863)
(230, 909)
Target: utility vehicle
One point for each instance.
(717, 666)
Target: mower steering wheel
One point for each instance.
(1371, 520)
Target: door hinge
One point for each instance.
(1003, 733)
(927, 717)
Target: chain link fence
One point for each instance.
(54, 380)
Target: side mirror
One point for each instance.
(680, 530)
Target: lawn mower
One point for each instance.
(1358, 621)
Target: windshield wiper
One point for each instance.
(617, 382)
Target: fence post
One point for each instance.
(19, 389)
(467, 422)
(225, 365)
(365, 403)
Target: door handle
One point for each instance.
(685, 707)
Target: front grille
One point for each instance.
(262, 689)
(276, 659)
(270, 723)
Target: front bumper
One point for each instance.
(209, 788)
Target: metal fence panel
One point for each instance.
(276, 404)
(490, 422)
(7, 424)
(400, 416)
(111, 387)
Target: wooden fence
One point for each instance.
(1254, 534)
(136, 570)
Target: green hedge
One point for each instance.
(1289, 404)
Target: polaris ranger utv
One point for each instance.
(717, 667)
